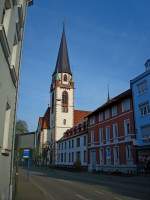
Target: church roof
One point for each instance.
(62, 64)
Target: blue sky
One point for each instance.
(108, 42)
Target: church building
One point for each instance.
(63, 116)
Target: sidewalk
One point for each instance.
(27, 189)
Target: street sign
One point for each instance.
(26, 153)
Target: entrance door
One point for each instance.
(93, 159)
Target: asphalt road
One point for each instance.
(43, 184)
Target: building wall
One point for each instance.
(139, 99)
(65, 149)
(10, 47)
(57, 126)
(102, 153)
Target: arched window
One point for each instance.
(65, 101)
(65, 77)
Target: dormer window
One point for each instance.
(65, 78)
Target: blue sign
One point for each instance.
(26, 153)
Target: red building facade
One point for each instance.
(111, 136)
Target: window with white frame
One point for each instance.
(145, 131)
(85, 156)
(78, 142)
(72, 156)
(128, 152)
(127, 127)
(101, 157)
(108, 155)
(100, 135)
(114, 111)
(84, 140)
(62, 155)
(107, 134)
(107, 114)
(6, 127)
(92, 120)
(69, 157)
(6, 16)
(72, 143)
(92, 137)
(115, 130)
(65, 157)
(116, 155)
(101, 116)
(144, 108)
(142, 87)
(69, 144)
(78, 156)
(126, 105)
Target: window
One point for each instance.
(108, 155)
(78, 142)
(114, 111)
(72, 156)
(126, 105)
(65, 77)
(84, 156)
(101, 116)
(64, 121)
(62, 157)
(69, 144)
(6, 16)
(92, 137)
(92, 120)
(127, 127)
(65, 145)
(142, 87)
(78, 156)
(100, 135)
(144, 108)
(72, 143)
(101, 158)
(62, 146)
(85, 140)
(69, 157)
(107, 114)
(116, 155)
(6, 126)
(107, 134)
(128, 152)
(145, 130)
(65, 101)
(115, 130)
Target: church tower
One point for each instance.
(61, 95)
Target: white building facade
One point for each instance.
(12, 19)
(72, 147)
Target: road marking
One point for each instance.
(81, 197)
(98, 192)
(47, 195)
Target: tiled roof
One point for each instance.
(44, 121)
(79, 115)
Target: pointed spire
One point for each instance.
(62, 64)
